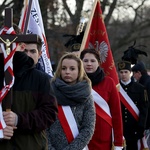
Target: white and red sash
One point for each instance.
(132, 108)
(102, 108)
(129, 104)
(7, 66)
(68, 123)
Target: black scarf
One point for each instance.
(71, 94)
(21, 63)
(97, 76)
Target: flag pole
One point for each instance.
(27, 16)
(88, 26)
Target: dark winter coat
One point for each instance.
(133, 129)
(145, 80)
(33, 103)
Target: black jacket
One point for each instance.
(33, 102)
(145, 81)
(134, 129)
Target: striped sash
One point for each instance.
(68, 123)
(129, 104)
(102, 108)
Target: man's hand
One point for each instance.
(8, 132)
(21, 46)
(10, 118)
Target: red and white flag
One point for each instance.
(95, 36)
(31, 23)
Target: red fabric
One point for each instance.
(1, 127)
(101, 113)
(97, 34)
(96, 37)
(7, 64)
(64, 124)
(102, 138)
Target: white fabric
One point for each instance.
(118, 148)
(71, 121)
(129, 101)
(101, 102)
(2, 122)
(35, 26)
(144, 142)
(126, 83)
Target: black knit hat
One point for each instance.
(124, 65)
(139, 67)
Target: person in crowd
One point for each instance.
(75, 124)
(136, 96)
(108, 129)
(31, 49)
(33, 106)
(140, 75)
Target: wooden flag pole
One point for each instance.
(27, 16)
(88, 26)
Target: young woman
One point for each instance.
(76, 117)
(108, 127)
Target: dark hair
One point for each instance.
(139, 67)
(91, 51)
(38, 43)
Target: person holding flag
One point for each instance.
(31, 23)
(108, 129)
(33, 106)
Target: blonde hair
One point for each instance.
(82, 75)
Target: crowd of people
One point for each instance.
(79, 108)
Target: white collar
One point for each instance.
(126, 83)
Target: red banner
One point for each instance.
(96, 37)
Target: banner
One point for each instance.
(96, 37)
(31, 23)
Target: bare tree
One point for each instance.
(125, 20)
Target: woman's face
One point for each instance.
(90, 63)
(69, 71)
